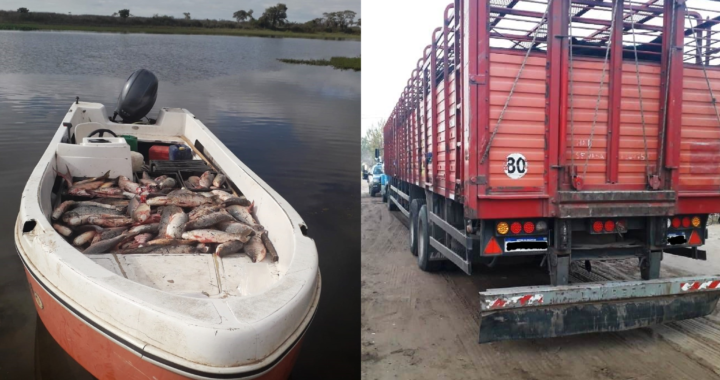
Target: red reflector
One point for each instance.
(609, 226)
(694, 239)
(529, 227)
(676, 222)
(598, 226)
(516, 227)
(493, 248)
(686, 222)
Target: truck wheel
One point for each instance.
(372, 193)
(423, 249)
(414, 210)
(384, 196)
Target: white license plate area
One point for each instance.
(526, 244)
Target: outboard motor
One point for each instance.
(137, 97)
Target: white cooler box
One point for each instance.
(95, 156)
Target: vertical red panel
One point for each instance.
(615, 97)
(433, 97)
(556, 126)
(446, 88)
(672, 84)
(459, 85)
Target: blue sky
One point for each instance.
(298, 10)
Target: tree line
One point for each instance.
(273, 17)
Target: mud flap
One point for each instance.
(553, 311)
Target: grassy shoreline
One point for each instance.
(181, 30)
(340, 63)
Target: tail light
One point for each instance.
(516, 227)
(541, 226)
(598, 226)
(609, 226)
(695, 221)
(529, 227)
(676, 222)
(502, 228)
(686, 222)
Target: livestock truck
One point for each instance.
(569, 130)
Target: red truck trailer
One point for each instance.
(570, 130)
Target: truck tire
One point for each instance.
(414, 211)
(423, 248)
(384, 196)
(372, 193)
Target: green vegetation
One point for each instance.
(272, 23)
(342, 63)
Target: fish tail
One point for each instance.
(66, 176)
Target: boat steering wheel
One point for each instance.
(101, 132)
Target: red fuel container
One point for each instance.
(159, 152)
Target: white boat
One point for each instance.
(166, 316)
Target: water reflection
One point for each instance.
(297, 127)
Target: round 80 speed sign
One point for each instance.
(516, 165)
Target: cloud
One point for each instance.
(298, 10)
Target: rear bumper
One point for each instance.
(552, 311)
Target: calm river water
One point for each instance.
(297, 127)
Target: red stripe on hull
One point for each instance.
(104, 358)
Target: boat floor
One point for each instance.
(196, 275)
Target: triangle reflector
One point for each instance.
(492, 247)
(694, 239)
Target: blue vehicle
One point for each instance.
(375, 179)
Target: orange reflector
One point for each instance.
(694, 238)
(493, 248)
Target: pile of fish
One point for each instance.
(206, 181)
(154, 216)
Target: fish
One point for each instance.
(167, 211)
(107, 192)
(107, 245)
(141, 213)
(153, 219)
(168, 249)
(78, 217)
(144, 228)
(66, 176)
(132, 205)
(255, 249)
(234, 227)
(88, 227)
(219, 180)
(126, 184)
(166, 241)
(62, 230)
(104, 221)
(187, 200)
(193, 182)
(208, 220)
(146, 180)
(269, 246)
(167, 183)
(221, 195)
(203, 210)
(206, 180)
(158, 201)
(109, 233)
(144, 238)
(112, 201)
(160, 178)
(118, 208)
(243, 215)
(229, 247)
(93, 209)
(103, 178)
(84, 238)
(236, 201)
(59, 210)
(213, 236)
(203, 248)
(107, 184)
(176, 225)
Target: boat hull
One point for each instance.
(105, 358)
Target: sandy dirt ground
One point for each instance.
(418, 325)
